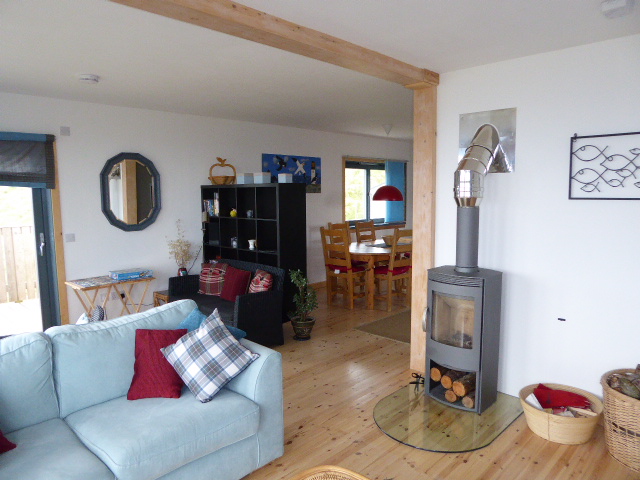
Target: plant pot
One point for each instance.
(302, 328)
(182, 272)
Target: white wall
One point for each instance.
(572, 259)
(182, 147)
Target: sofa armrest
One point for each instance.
(260, 315)
(185, 285)
(261, 382)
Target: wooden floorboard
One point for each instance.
(332, 383)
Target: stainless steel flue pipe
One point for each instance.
(482, 156)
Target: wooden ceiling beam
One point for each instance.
(238, 20)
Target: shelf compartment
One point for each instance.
(266, 203)
(246, 201)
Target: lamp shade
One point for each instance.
(388, 193)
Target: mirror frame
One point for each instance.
(106, 199)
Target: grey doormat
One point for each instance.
(396, 327)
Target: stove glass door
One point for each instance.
(453, 320)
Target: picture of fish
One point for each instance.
(605, 167)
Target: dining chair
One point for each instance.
(365, 231)
(341, 225)
(339, 267)
(397, 274)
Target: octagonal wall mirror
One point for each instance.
(130, 190)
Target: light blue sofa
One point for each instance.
(63, 402)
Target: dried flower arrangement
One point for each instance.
(180, 249)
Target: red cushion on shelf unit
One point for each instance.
(212, 278)
(262, 282)
(236, 282)
(153, 375)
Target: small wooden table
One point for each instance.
(84, 286)
(370, 252)
(160, 297)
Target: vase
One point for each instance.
(182, 272)
(302, 328)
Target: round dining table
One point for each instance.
(370, 252)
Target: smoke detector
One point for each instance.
(88, 78)
(616, 8)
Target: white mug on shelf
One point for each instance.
(252, 244)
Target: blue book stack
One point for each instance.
(130, 274)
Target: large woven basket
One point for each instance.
(565, 430)
(621, 423)
(329, 472)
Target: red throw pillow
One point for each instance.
(212, 278)
(153, 375)
(261, 282)
(6, 444)
(236, 282)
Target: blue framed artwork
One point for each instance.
(307, 170)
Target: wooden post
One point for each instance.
(424, 202)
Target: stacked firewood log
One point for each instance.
(458, 385)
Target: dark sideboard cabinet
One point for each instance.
(272, 214)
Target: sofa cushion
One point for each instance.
(152, 437)
(51, 451)
(93, 363)
(27, 392)
(6, 444)
(261, 282)
(153, 376)
(212, 278)
(208, 358)
(195, 319)
(236, 282)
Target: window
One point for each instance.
(362, 177)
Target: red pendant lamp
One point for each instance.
(388, 193)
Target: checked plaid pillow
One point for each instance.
(208, 358)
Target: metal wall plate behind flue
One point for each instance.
(505, 122)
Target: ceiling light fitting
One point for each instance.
(88, 78)
(388, 193)
(616, 8)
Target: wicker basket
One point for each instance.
(222, 179)
(565, 430)
(329, 472)
(621, 423)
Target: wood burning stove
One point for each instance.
(462, 319)
(463, 335)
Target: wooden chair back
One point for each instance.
(342, 225)
(338, 265)
(401, 248)
(335, 245)
(365, 231)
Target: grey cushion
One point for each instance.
(208, 358)
(50, 451)
(154, 436)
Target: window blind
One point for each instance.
(27, 159)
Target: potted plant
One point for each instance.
(305, 301)
(180, 250)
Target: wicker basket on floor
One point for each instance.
(621, 423)
(559, 429)
(329, 472)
